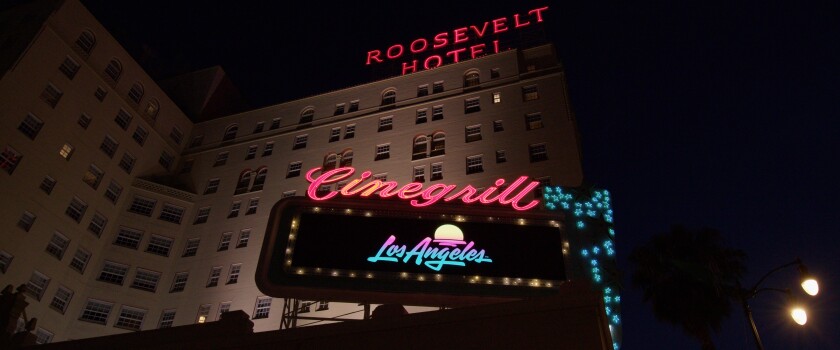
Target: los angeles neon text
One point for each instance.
(433, 258)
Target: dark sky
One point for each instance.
(715, 114)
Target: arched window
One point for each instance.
(329, 162)
(421, 147)
(438, 144)
(230, 132)
(346, 158)
(307, 115)
(152, 109)
(136, 92)
(114, 70)
(471, 79)
(86, 42)
(260, 179)
(389, 97)
(243, 182)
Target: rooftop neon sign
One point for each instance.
(415, 193)
(455, 41)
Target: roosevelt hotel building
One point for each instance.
(122, 212)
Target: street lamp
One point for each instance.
(807, 281)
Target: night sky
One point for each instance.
(720, 115)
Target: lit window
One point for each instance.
(530, 93)
(76, 209)
(252, 206)
(135, 93)
(113, 191)
(533, 121)
(537, 152)
(349, 131)
(130, 318)
(171, 213)
(142, 206)
(212, 186)
(215, 273)
(203, 312)
(85, 43)
(167, 318)
(61, 299)
(51, 95)
(47, 184)
(127, 162)
(96, 311)
(262, 308)
(109, 146)
(386, 123)
(145, 280)
(192, 247)
(93, 176)
(36, 285)
(80, 260)
(473, 133)
(202, 215)
(383, 151)
(244, 236)
(30, 126)
(97, 224)
(497, 97)
(129, 238)
(474, 164)
(300, 141)
(221, 159)
(113, 273)
(294, 169)
(26, 221)
(233, 275)
(437, 171)
(179, 282)
(9, 159)
(66, 151)
(58, 243)
(123, 119)
(224, 242)
(269, 148)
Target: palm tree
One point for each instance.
(689, 278)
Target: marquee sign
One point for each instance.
(460, 44)
(382, 250)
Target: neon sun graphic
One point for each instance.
(446, 236)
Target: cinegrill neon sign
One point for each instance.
(448, 237)
(453, 42)
(414, 191)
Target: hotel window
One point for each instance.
(335, 134)
(213, 280)
(275, 123)
(323, 305)
(537, 152)
(5, 260)
(244, 236)
(500, 156)
(268, 149)
(36, 285)
(61, 299)
(152, 109)
(339, 109)
(9, 159)
(259, 127)
(354, 106)
(323, 190)
(233, 275)
(498, 126)
(80, 260)
(497, 97)
(437, 87)
(58, 243)
(294, 169)
(472, 105)
(383, 151)
(123, 119)
(166, 160)
(288, 194)
(494, 73)
(230, 132)
(423, 90)
(66, 151)
(221, 159)
(437, 171)
(145, 280)
(51, 95)
(530, 93)
(340, 185)
(176, 135)
(113, 273)
(304, 307)
(251, 152)
(167, 318)
(84, 121)
(43, 336)
(234, 209)
(203, 312)
(533, 121)
(306, 117)
(202, 215)
(135, 93)
(113, 192)
(223, 307)
(419, 174)
(186, 166)
(96, 311)
(76, 209)
(300, 142)
(252, 206)
(421, 116)
(346, 159)
(224, 242)
(100, 95)
(259, 181)
(85, 42)
(26, 221)
(109, 146)
(130, 318)
(171, 213)
(114, 70)
(243, 182)
(179, 282)
(93, 176)
(127, 162)
(386, 123)
(196, 141)
(472, 79)
(330, 162)
(212, 186)
(349, 131)
(437, 113)
(47, 184)
(192, 247)
(262, 308)
(97, 224)
(544, 181)
(473, 133)
(129, 238)
(389, 97)
(474, 164)
(438, 144)
(420, 147)
(140, 135)
(30, 126)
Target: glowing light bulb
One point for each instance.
(799, 315)
(811, 286)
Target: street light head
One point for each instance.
(799, 315)
(809, 283)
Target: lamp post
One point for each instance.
(808, 283)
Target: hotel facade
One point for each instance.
(120, 213)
